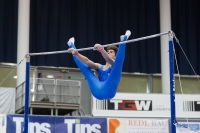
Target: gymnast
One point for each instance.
(109, 75)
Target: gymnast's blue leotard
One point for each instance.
(105, 87)
(103, 74)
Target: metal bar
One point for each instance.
(31, 111)
(172, 87)
(26, 100)
(56, 112)
(149, 84)
(90, 48)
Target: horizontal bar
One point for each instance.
(47, 53)
(90, 48)
(128, 41)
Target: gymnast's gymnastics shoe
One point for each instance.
(71, 41)
(128, 33)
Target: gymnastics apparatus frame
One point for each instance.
(171, 65)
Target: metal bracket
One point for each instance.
(27, 56)
(172, 35)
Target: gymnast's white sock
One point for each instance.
(128, 33)
(71, 40)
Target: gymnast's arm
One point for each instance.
(84, 59)
(88, 62)
(104, 54)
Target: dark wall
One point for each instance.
(53, 22)
(8, 30)
(185, 17)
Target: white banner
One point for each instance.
(3, 123)
(7, 100)
(190, 127)
(147, 105)
(117, 125)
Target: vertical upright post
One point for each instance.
(22, 37)
(165, 25)
(26, 100)
(172, 86)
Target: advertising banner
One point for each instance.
(52, 124)
(188, 127)
(138, 125)
(3, 123)
(147, 105)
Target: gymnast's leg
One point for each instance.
(93, 82)
(115, 75)
(84, 68)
